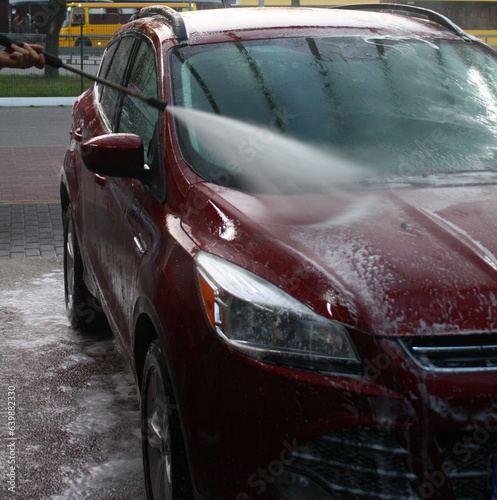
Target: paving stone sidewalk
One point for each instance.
(33, 142)
(31, 230)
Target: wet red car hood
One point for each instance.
(403, 262)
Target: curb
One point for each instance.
(36, 101)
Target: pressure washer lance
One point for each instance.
(55, 62)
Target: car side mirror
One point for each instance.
(115, 155)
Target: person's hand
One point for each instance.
(22, 57)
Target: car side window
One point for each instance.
(109, 97)
(104, 67)
(137, 117)
(106, 60)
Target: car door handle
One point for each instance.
(77, 134)
(140, 245)
(100, 179)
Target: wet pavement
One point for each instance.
(69, 413)
(32, 146)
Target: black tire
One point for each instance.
(86, 42)
(83, 309)
(164, 457)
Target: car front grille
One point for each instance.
(466, 457)
(357, 464)
(372, 464)
(454, 352)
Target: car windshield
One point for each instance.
(402, 107)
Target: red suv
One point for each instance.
(298, 254)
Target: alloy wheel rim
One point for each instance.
(158, 439)
(69, 266)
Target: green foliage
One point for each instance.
(19, 85)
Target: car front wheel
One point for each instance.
(164, 457)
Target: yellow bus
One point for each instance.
(94, 23)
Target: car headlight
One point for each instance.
(264, 322)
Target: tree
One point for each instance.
(55, 15)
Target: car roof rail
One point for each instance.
(169, 15)
(431, 15)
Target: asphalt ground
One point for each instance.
(33, 142)
(69, 413)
